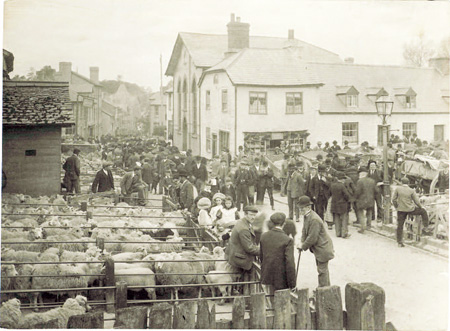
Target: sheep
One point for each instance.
(71, 307)
(25, 223)
(23, 283)
(128, 256)
(218, 277)
(10, 314)
(7, 283)
(146, 278)
(79, 256)
(10, 254)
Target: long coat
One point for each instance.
(72, 167)
(316, 238)
(296, 185)
(186, 194)
(366, 190)
(199, 172)
(340, 198)
(266, 178)
(277, 259)
(103, 182)
(128, 182)
(242, 247)
(320, 187)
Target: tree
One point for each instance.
(444, 47)
(47, 73)
(31, 74)
(17, 77)
(418, 51)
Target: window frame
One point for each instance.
(411, 132)
(350, 97)
(411, 103)
(208, 139)
(294, 105)
(224, 104)
(257, 112)
(208, 100)
(346, 137)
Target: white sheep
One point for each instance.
(71, 307)
(10, 314)
(9, 254)
(218, 277)
(145, 277)
(7, 283)
(128, 256)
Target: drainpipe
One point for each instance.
(235, 120)
(199, 133)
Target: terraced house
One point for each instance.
(262, 92)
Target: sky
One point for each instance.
(127, 37)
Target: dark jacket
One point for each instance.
(266, 178)
(103, 182)
(147, 173)
(365, 193)
(199, 172)
(316, 238)
(230, 191)
(242, 248)
(377, 176)
(72, 167)
(277, 260)
(340, 198)
(243, 177)
(296, 185)
(320, 187)
(186, 195)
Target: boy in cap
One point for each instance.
(277, 257)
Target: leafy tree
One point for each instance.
(418, 51)
(17, 77)
(444, 47)
(47, 73)
(31, 74)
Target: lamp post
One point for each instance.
(384, 106)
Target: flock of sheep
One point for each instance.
(149, 263)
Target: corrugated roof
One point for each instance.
(36, 103)
(267, 67)
(426, 82)
(208, 50)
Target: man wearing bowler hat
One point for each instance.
(277, 257)
(316, 239)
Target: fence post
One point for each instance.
(110, 281)
(100, 243)
(258, 311)
(303, 313)
(355, 298)
(87, 321)
(160, 316)
(367, 314)
(238, 313)
(203, 315)
(88, 215)
(282, 307)
(121, 294)
(131, 318)
(83, 205)
(329, 308)
(184, 315)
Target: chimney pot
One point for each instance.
(94, 74)
(65, 71)
(232, 17)
(238, 35)
(291, 34)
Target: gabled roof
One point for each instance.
(36, 103)
(86, 79)
(376, 91)
(404, 91)
(426, 82)
(346, 90)
(266, 67)
(208, 50)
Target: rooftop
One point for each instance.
(36, 103)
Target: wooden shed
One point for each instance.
(33, 115)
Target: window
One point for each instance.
(294, 103)
(194, 107)
(409, 129)
(208, 100)
(224, 140)
(70, 130)
(156, 111)
(185, 95)
(258, 103)
(410, 101)
(216, 79)
(179, 105)
(208, 139)
(224, 100)
(350, 132)
(352, 100)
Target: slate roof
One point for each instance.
(267, 67)
(428, 83)
(36, 103)
(208, 50)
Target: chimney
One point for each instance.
(291, 34)
(238, 34)
(65, 71)
(440, 63)
(94, 74)
(349, 60)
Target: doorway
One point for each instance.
(438, 132)
(185, 135)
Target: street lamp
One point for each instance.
(384, 106)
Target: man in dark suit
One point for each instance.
(365, 193)
(242, 248)
(198, 170)
(147, 172)
(295, 189)
(277, 257)
(186, 191)
(265, 182)
(104, 180)
(309, 183)
(242, 180)
(321, 191)
(316, 239)
(340, 206)
(377, 176)
(72, 167)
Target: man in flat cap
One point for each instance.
(316, 239)
(72, 167)
(296, 187)
(104, 180)
(242, 179)
(277, 257)
(365, 193)
(132, 182)
(340, 205)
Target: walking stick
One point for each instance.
(298, 262)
